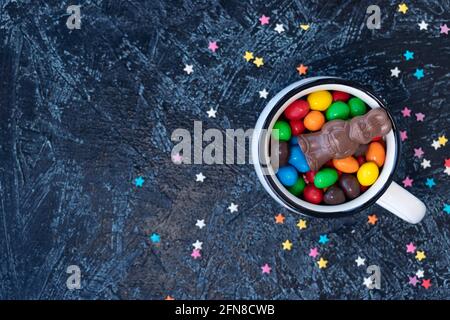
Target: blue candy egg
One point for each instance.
(298, 160)
(287, 175)
(293, 141)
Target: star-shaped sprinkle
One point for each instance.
(420, 116)
(395, 72)
(188, 68)
(423, 25)
(410, 248)
(322, 263)
(304, 27)
(426, 283)
(442, 140)
(403, 135)
(418, 152)
(447, 170)
(447, 162)
(302, 69)
(407, 182)
(264, 20)
(279, 28)
(198, 245)
(420, 255)
(200, 177)
(413, 280)
(258, 62)
(430, 183)
(419, 74)
(372, 219)
(323, 239)
(287, 245)
(169, 298)
(402, 8)
(360, 261)
(279, 218)
(177, 158)
(266, 269)
(301, 224)
(201, 223)
(213, 46)
(368, 282)
(419, 273)
(155, 238)
(447, 208)
(196, 254)
(263, 93)
(139, 181)
(313, 252)
(406, 112)
(233, 207)
(444, 28)
(409, 55)
(211, 113)
(436, 145)
(248, 56)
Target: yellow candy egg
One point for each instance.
(320, 100)
(367, 174)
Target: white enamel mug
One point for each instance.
(384, 191)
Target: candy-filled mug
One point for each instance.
(383, 191)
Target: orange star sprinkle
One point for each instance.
(279, 219)
(169, 298)
(302, 69)
(372, 219)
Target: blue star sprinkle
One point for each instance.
(323, 239)
(139, 181)
(409, 55)
(155, 238)
(419, 74)
(430, 183)
(447, 208)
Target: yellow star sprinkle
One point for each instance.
(402, 8)
(322, 263)
(420, 255)
(301, 224)
(248, 56)
(287, 245)
(442, 140)
(259, 62)
(304, 26)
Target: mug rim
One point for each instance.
(307, 85)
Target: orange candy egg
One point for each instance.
(376, 153)
(314, 120)
(346, 165)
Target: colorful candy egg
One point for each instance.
(368, 173)
(314, 120)
(340, 96)
(312, 194)
(349, 185)
(320, 100)
(334, 195)
(310, 176)
(298, 160)
(297, 127)
(287, 175)
(297, 110)
(357, 107)
(282, 153)
(281, 131)
(298, 187)
(376, 153)
(338, 110)
(346, 165)
(325, 177)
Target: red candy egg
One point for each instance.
(376, 139)
(312, 194)
(360, 160)
(340, 96)
(297, 110)
(297, 127)
(309, 176)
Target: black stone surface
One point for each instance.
(84, 112)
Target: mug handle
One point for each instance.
(402, 203)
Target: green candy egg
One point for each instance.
(298, 187)
(281, 131)
(325, 178)
(357, 107)
(338, 110)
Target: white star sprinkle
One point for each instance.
(200, 223)
(360, 261)
(419, 274)
(188, 68)
(279, 28)
(368, 283)
(447, 170)
(436, 145)
(263, 93)
(197, 245)
(395, 72)
(211, 113)
(425, 163)
(233, 207)
(423, 25)
(200, 177)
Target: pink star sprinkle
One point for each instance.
(213, 46)
(313, 252)
(410, 248)
(406, 112)
(403, 135)
(196, 254)
(413, 280)
(407, 182)
(444, 29)
(177, 158)
(420, 116)
(264, 20)
(266, 269)
(418, 153)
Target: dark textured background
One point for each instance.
(84, 112)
